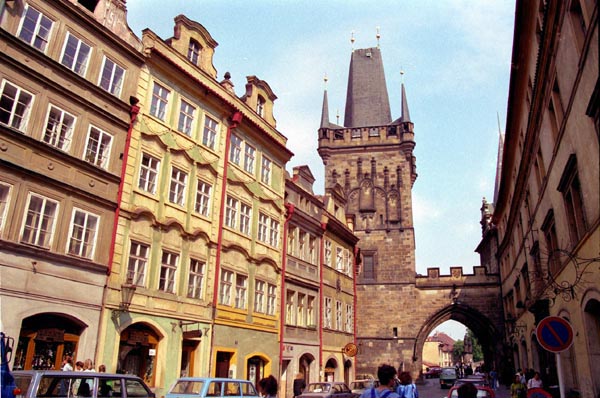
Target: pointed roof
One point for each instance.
(405, 114)
(367, 101)
(325, 111)
(499, 162)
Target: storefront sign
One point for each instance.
(53, 335)
(137, 337)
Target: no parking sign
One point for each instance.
(554, 333)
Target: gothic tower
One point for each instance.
(371, 159)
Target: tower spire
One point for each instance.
(498, 160)
(325, 110)
(405, 114)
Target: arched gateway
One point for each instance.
(370, 160)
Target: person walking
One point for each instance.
(386, 375)
(406, 388)
(535, 381)
(267, 387)
(299, 384)
(518, 389)
(467, 390)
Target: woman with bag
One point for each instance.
(407, 389)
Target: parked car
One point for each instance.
(201, 387)
(477, 380)
(432, 372)
(56, 383)
(482, 392)
(447, 377)
(359, 386)
(327, 389)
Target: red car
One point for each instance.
(482, 392)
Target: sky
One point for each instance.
(455, 58)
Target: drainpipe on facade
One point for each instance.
(236, 119)
(356, 257)
(290, 212)
(321, 262)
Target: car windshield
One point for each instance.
(480, 394)
(357, 384)
(318, 387)
(187, 387)
(448, 372)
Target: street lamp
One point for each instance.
(127, 292)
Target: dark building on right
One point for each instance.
(542, 230)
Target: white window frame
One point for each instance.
(160, 101)
(245, 218)
(194, 50)
(59, 128)
(271, 299)
(349, 318)
(83, 236)
(300, 309)
(40, 35)
(327, 313)
(241, 291)
(290, 297)
(196, 279)
(186, 117)
(98, 146)
(338, 315)
(81, 57)
(225, 287)
(328, 252)
(137, 263)
(5, 197)
(339, 259)
(263, 227)
(235, 149)
(111, 77)
(149, 169)
(310, 310)
(203, 193)
(259, 296)
(274, 233)
(249, 157)
(231, 210)
(265, 170)
(20, 106)
(168, 270)
(209, 132)
(177, 186)
(33, 221)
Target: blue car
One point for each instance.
(7, 382)
(202, 387)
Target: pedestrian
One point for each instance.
(387, 378)
(406, 388)
(494, 377)
(102, 368)
(267, 387)
(67, 364)
(299, 384)
(88, 365)
(467, 390)
(518, 389)
(535, 381)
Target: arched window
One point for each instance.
(194, 49)
(260, 106)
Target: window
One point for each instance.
(177, 188)
(291, 248)
(168, 267)
(241, 288)
(210, 132)
(327, 313)
(346, 262)
(82, 239)
(39, 221)
(339, 259)
(35, 28)
(368, 267)
(570, 187)
(136, 267)
(186, 117)
(235, 149)
(194, 51)
(148, 173)
(196, 279)
(310, 311)
(259, 296)
(263, 226)
(160, 99)
(265, 171)
(225, 291)
(59, 128)
(268, 230)
(271, 299)
(289, 307)
(249, 154)
(260, 106)
(274, 233)
(98, 145)
(15, 106)
(349, 319)
(203, 198)
(76, 54)
(549, 230)
(245, 214)
(300, 309)
(328, 252)
(302, 245)
(5, 191)
(312, 250)
(112, 77)
(338, 315)
(231, 206)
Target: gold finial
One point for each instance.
(337, 116)
(402, 75)
(325, 79)
(352, 40)
(378, 36)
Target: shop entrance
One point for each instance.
(137, 352)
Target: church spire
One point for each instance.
(325, 110)
(499, 161)
(405, 114)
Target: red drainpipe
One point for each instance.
(133, 113)
(235, 120)
(322, 262)
(356, 254)
(290, 212)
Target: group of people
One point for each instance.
(525, 380)
(85, 366)
(389, 387)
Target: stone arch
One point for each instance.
(331, 369)
(480, 324)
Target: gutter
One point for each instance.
(290, 212)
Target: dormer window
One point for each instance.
(194, 51)
(260, 106)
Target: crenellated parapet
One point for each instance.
(457, 276)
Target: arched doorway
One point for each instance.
(592, 327)
(137, 352)
(45, 339)
(330, 369)
(256, 368)
(304, 364)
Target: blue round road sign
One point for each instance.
(554, 334)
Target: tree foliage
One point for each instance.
(459, 348)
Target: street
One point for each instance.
(431, 389)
